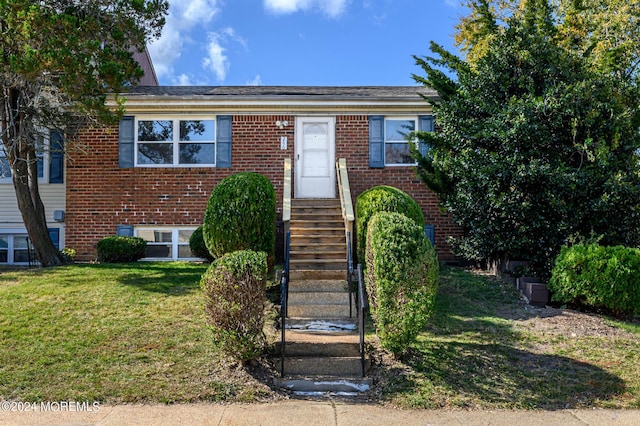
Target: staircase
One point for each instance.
(322, 341)
(317, 235)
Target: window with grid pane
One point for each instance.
(176, 142)
(396, 141)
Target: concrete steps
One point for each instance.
(322, 343)
(317, 235)
(331, 366)
(320, 385)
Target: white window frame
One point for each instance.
(386, 142)
(11, 234)
(176, 139)
(43, 153)
(174, 241)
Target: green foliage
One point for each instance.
(605, 32)
(241, 215)
(198, 246)
(82, 49)
(234, 290)
(598, 276)
(61, 61)
(535, 144)
(378, 199)
(69, 254)
(120, 249)
(401, 278)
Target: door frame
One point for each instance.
(331, 121)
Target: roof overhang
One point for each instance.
(279, 100)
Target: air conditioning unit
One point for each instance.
(58, 215)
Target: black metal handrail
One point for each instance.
(362, 305)
(284, 299)
(350, 274)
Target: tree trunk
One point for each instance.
(25, 181)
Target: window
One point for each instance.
(15, 249)
(4, 249)
(396, 144)
(50, 158)
(388, 143)
(163, 142)
(167, 243)
(5, 171)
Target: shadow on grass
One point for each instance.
(499, 375)
(171, 278)
(472, 357)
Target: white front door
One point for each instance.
(315, 171)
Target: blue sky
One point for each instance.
(300, 42)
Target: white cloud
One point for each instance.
(182, 80)
(332, 8)
(189, 13)
(166, 50)
(230, 33)
(188, 79)
(216, 60)
(183, 17)
(257, 81)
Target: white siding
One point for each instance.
(53, 196)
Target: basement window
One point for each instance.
(15, 249)
(167, 243)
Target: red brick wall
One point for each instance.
(352, 143)
(100, 195)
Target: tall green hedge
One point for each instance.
(401, 278)
(241, 215)
(382, 198)
(598, 276)
(234, 290)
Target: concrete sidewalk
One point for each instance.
(307, 413)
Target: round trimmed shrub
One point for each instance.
(401, 278)
(598, 276)
(234, 290)
(241, 215)
(378, 199)
(197, 245)
(121, 249)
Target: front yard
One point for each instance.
(112, 333)
(485, 348)
(137, 333)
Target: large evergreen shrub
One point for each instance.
(538, 131)
(382, 198)
(234, 290)
(401, 278)
(241, 215)
(598, 276)
(120, 249)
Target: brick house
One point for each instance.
(152, 176)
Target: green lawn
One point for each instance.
(112, 333)
(137, 333)
(484, 348)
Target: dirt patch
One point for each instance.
(569, 323)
